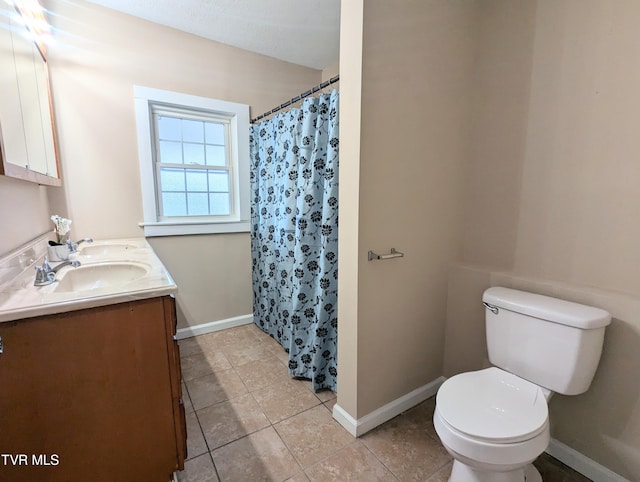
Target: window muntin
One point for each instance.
(194, 174)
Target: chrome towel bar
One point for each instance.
(392, 254)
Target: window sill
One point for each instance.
(190, 228)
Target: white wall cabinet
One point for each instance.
(27, 136)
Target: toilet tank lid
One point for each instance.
(547, 308)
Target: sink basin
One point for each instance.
(99, 275)
(106, 249)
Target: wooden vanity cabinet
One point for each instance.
(92, 395)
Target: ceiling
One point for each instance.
(304, 32)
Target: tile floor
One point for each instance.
(247, 420)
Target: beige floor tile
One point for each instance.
(262, 335)
(405, 447)
(186, 399)
(228, 421)
(422, 415)
(214, 388)
(260, 456)
(313, 435)
(199, 469)
(270, 341)
(441, 475)
(256, 329)
(330, 404)
(354, 462)
(195, 440)
(325, 395)
(283, 400)
(240, 334)
(241, 353)
(201, 364)
(299, 477)
(209, 341)
(190, 346)
(262, 373)
(278, 352)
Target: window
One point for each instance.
(194, 163)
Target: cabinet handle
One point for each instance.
(1, 346)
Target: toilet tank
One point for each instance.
(553, 343)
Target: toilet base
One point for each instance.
(463, 473)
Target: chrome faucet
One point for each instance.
(73, 247)
(46, 274)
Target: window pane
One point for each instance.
(193, 153)
(171, 152)
(196, 181)
(174, 204)
(214, 133)
(169, 128)
(219, 181)
(219, 203)
(215, 156)
(198, 204)
(192, 131)
(171, 179)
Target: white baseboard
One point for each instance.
(386, 412)
(581, 463)
(213, 326)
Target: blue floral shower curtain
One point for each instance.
(294, 236)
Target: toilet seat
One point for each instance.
(493, 406)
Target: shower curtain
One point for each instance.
(294, 235)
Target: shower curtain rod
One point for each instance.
(315, 89)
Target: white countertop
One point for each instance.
(20, 299)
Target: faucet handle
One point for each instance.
(44, 276)
(46, 267)
(41, 274)
(71, 246)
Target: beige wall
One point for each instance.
(351, 26)
(405, 189)
(581, 179)
(554, 194)
(98, 58)
(552, 179)
(25, 213)
(331, 71)
(500, 103)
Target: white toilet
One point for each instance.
(495, 422)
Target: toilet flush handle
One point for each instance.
(493, 309)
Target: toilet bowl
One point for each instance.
(494, 424)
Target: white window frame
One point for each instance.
(145, 99)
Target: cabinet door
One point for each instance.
(12, 142)
(91, 388)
